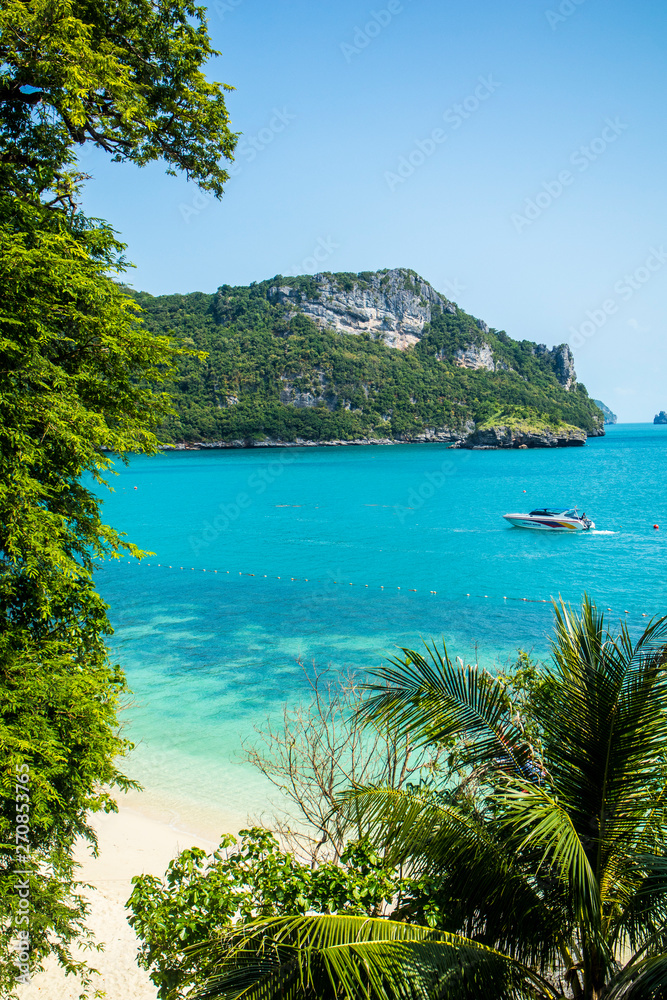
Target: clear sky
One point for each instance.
(513, 153)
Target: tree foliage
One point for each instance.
(81, 382)
(204, 895)
(126, 76)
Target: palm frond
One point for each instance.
(358, 958)
(605, 732)
(642, 921)
(499, 900)
(535, 818)
(432, 700)
(645, 980)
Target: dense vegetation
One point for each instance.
(361, 387)
(80, 380)
(529, 866)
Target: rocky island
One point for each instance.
(609, 416)
(660, 418)
(378, 357)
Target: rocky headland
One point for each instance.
(378, 357)
(609, 416)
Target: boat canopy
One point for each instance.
(556, 512)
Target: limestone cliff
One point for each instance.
(397, 306)
(392, 305)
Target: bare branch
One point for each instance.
(320, 750)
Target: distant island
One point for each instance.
(374, 357)
(660, 418)
(609, 417)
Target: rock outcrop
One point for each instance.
(525, 437)
(303, 399)
(475, 356)
(561, 360)
(660, 418)
(391, 305)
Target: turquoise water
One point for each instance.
(336, 556)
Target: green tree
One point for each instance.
(551, 873)
(126, 76)
(81, 381)
(202, 895)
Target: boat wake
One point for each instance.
(594, 531)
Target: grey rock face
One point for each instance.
(564, 365)
(394, 305)
(562, 362)
(508, 437)
(476, 357)
(317, 395)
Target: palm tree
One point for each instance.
(549, 861)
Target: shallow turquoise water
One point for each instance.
(209, 654)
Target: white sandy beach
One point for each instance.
(140, 839)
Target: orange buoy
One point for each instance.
(657, 527)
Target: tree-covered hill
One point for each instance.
(309, 358)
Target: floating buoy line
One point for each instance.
(344, 583)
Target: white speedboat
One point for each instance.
(551, 519)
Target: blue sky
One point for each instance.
(514, 154)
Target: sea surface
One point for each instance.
(269, 562)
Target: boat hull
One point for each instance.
(543, 523)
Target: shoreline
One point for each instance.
(487, 439)
(141, 838)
